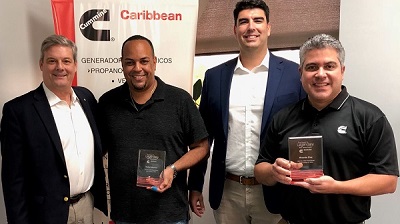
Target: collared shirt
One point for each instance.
(357, 140)
(168, 121)
(77, 141)
(246, 103)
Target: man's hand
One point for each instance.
(321, 185)
(196, 203)
(167, 182)
(281, 170)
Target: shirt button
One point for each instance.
(66, 199)
(65, 176)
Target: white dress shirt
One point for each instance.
(77, 141)
(246, 103)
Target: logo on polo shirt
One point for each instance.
(342, 130)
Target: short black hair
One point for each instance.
(137, 37)
(250, 4)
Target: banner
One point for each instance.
(100, 27)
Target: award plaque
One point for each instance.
(151, 164)
(308, 151)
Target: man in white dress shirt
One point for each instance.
(52, 169)
(239, 98)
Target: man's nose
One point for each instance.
(252, 25)
(321, 71)
(137, 67)
(59, 65)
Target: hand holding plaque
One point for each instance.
(151, 164)
(308, 151)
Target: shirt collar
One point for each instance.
(336, 104)
(264, 63)
(53, 98)
(158, 92)
(339, 100)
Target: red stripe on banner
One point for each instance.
(63, 18)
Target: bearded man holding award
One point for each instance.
(359, 158)
(153, 133)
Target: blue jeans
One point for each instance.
(179, 222)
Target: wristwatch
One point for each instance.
(172, 166)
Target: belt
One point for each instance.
(76, 198)
(242, 179)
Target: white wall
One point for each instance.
(24, 24)
(370, 34)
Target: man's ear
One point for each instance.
(41, 65)
(300, 71)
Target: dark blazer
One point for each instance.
(283, 88)
(34, 174)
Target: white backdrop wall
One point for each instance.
(24, 24)
(370, 34)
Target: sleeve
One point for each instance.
(101, 120)
(13, 167)
(194, 127)
(269, 147)
(269, 151)
(196, 176)
(381, 145)
(197, 172)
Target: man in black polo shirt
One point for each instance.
(359, 150)
(147, 113)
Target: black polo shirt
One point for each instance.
(169, 121)
(357, 140)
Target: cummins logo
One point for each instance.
(86, 24)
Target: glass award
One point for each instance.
(151, 164)
(308, 151)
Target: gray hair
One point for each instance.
(58, 40)
(321, 41)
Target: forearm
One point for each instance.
(263, 174)
(368, 185)
(198, 151)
